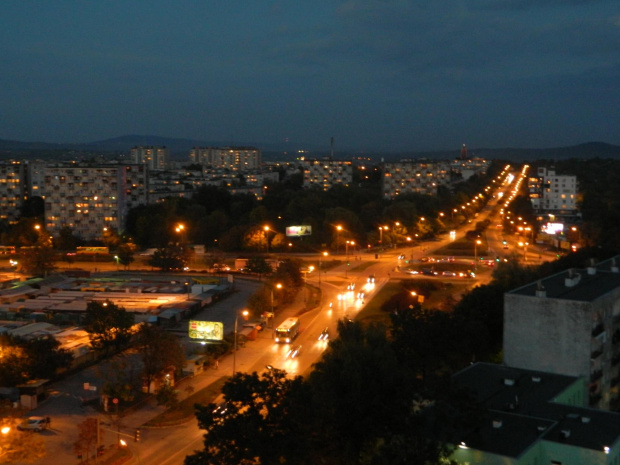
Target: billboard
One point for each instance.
(296, 231)
(200, 331)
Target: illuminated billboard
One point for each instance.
(200, 331)
(553, 228)
(296, 231)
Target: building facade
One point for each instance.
(529, 417)
(156, 158)
(414, 177)
(12, 190)
(325, 174)
(88, 199)
(569, 323)
(232, 158)
(553, 193)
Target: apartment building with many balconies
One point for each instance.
(569, 323)
(232, 158)
(156, 158)
(415, 177)
(325, 174)
(12, 190)
(88, 199)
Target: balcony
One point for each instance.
(598, 329)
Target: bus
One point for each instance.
(7, 250)
(287, 331)
(92, 250)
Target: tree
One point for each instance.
(90, 436)
(17, 446)
(170, 258)
(39, 259)
(45, 357)
(160, 351)
(258, 425)
(258, 265)
(126, 252)
(108, 325)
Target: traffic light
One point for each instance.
(136, 436)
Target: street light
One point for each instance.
(338, 229)
(244, 313)
(381, 228)
(324, 254)
(266, 228)
(180, 228)
(116, 258)
(476, 244)
(273, 315)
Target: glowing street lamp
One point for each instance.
(324, 254)
(476, 244)
(244, 314)
(267, 229)
(338, 229)
(381, 228)
(273, 314)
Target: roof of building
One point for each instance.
(521, 411)
(585, 285)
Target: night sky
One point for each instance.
(382, 75)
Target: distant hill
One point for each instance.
(179, 148)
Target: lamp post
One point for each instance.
(244, 313)
(181, 230)
(266, 228)
(273, 314)
(381, 228)
(338, 229)
(116, 258)
(476, 244)
(324, 254)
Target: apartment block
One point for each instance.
(553, 193)
(156, 158)
(326, 174)
(529, 417)
(90, 198)
(12, 192)
(569, 324)
(232, 158)
(414, 177)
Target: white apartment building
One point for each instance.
(326, 174)
(88, 199)
(232, 158)
(569, 324)
(156, 158)
(414, 176)
(553, 193)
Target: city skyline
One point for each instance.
(391, 75)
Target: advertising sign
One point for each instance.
(296, 231)
(206, 330)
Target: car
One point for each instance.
(37, 424)
(401, 256)
(360, 296)
(351, 286)
(448, 273)
(370, 279)
(293, 352)
(220, 409)
(324, 336)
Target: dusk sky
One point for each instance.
(382, 75)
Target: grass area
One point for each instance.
(185, 408)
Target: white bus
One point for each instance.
(287, 331)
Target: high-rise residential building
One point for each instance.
(232, 158)
(12, 192)
(88, 199)
(569, 323)
(156, 158)
(529, 417)
(553, 193)
(414, 177)
(326, 174)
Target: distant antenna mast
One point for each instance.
(331, 152)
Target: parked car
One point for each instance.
(37, 424)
